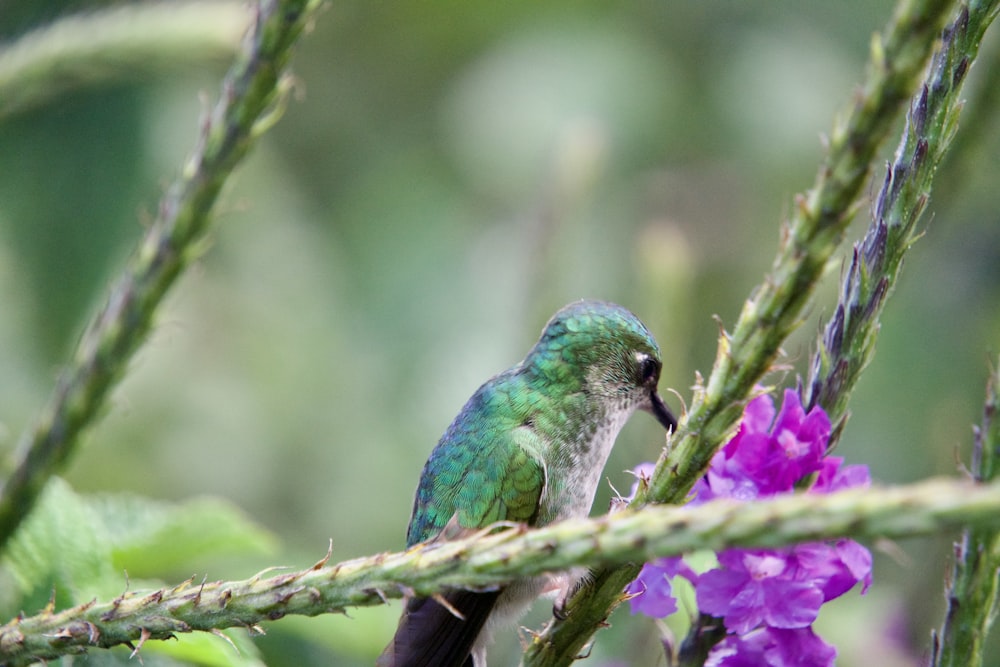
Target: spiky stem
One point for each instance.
(848, 343)
(972, 592)
(774, 309)
(491, 559)
(251, 92)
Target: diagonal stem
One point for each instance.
(253, 88)
(972, 594)
(808, 240)
(848, 342)
(124, 42)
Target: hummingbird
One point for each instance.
(528, 447)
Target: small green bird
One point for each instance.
(529, 447)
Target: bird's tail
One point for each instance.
(432, 635)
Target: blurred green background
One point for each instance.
(446, 176)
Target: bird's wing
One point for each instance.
(501, 479)
(505, 481)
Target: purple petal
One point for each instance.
(815, 428)
(740, 651)
(701, 492)
(759, 586)
(775, 647)
(835, 569)
(747, 609)
(765, 564)
(834, 476)
(791, 415)
(752, 450)
(759, 414)
(814, 560)
(762, 459)
(757, 417)
(828, 475)
(682, 569)
(731, 481)
(856, 475)
(651, 590)
(800, 647)
(791, 604)
(858, 560)
(717, 589)
(733, 559)
(653, 601)
(802, 437)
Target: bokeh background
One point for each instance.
(445, 176)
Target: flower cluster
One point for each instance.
(767, 598)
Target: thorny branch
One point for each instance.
(488, 560)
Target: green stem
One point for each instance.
(251, 91)
(705, 633)
(972, 593)
(848, 343)
(492, 559)
(774, 309)
(126, 42)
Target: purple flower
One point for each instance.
(832, 477)
(764, 459)
(651, 592)
(835, 568)
(758, 587)
(727, 475)
(775, 647)
(768, 599)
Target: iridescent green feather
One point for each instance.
(489, 466)
(500, 479)
(528, 447)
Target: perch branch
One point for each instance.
(484, 561)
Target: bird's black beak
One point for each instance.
(659, 410)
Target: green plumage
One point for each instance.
(499, 478)
(529, 447)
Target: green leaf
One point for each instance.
(79, 547)
(150, 537)
(62, 549)
(188, 649)
(205, 649)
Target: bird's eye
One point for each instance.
(649, 369)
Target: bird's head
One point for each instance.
(602, 349)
